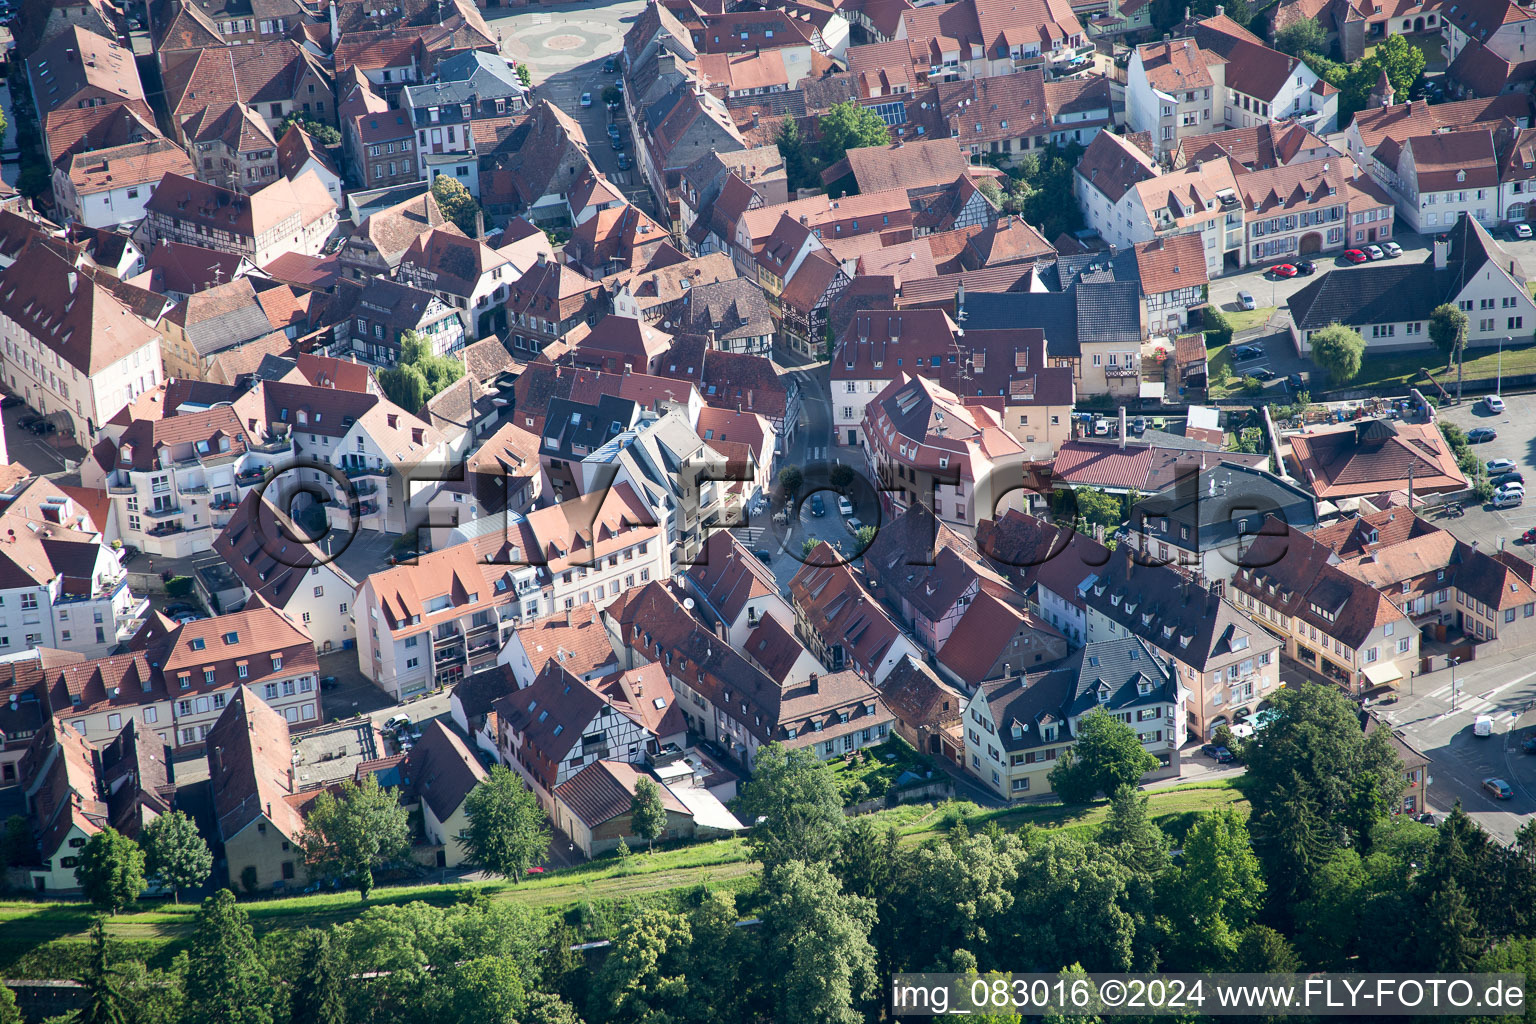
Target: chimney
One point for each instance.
(479, 222)
(1442, 251)
(1220, 10)
(543, 258)
(815, 683)
(756, 117)
(1122, 428)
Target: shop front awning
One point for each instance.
(1383, 675)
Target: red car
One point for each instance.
(1283, 270)
(1529, 536)
(1355, 256)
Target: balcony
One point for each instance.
(354, 472)
(224, 506)
(165, 530)
(273, 446)
(163, 513)
(367, 508)
(489, 642)
(193, 488)
(250, 477)
(450, 638)
(1113, 372)
(120, 488)
(365, 488)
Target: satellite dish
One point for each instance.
(688, 603)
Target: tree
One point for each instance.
(9, 1014)
(111, 870)
(1317, 784)
(849, 126)
(1132, 837)
(865, 536)
(1450, 938)
(1262, 950)
(790, 478)
(1448, 330)
(645, 978)
(1401, 60)
(1094, 506)
(1303, 35)
(799, 164)
(1219, 886)
(508, 831)
(227, 980)
(612, 96)
(525, 75)
(1339, 350)
(485, 990)
(16, 846)
(175, 855)
(316, 996)
(647, 814)
(456, 203)
(1107, 755)
(321, 132)
(840, 476)
(348, 836)
(815, 946)
(104, 1000)
(796, 798)
(420, 374)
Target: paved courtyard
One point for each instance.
(1516, 426)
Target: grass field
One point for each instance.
(1402, 370)
(49, 939)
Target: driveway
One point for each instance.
(40, 455)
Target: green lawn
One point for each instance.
(1430, 45)
(1402, 370)
(1243, 319)
(49, 939)
(877, 767)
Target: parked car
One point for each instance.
(1355, 256)
(613, 131)
(586, 99)
(1528, 537)
(764, 555)
(1494, 466)
(1498, 789)
(1101, 426)
(1243, 352)
(1428, 818)
(1528, 744)
(1493, 403)
(397, 722)
(1477, 435)
(1508, 499)
(1374, 252)
(1221, 755)
(617, 142)
(10, 401)
(1512, 477)
(1510, 489)
(610, 67)
(1295, 382)
(624, 162)
(1283, 270)
(1139, 425)
(844, 506)
(1522, 231)
(1246, 300)
(1264, 373)
(1306, 268)
(854, 524)
(818, 505)
(1392, 249)
(43, 427)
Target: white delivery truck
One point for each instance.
(1482, 725)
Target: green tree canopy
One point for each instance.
(1317, 783)
(508, 831)
(1339, 350)
(227, 980)
(456, 202)
(645, 978)
(1218, 888)
(796, 798)
(849, 126)
(1132, 837)
(322, 133)
(1400, 59)
(1304, 35)
(104, 999)
(815, 946)
(111, 870)
(348, 836)
(316, 996)
(647, 814)
(1448, 329)
(420, 375)
(16, 846)
(1107, 755)
(9, 1014)
(175, 854)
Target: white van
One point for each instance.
(1482, 725)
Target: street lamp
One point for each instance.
(1455, 691)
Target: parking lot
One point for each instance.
(1516, 441)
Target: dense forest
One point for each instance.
(1319, 874)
